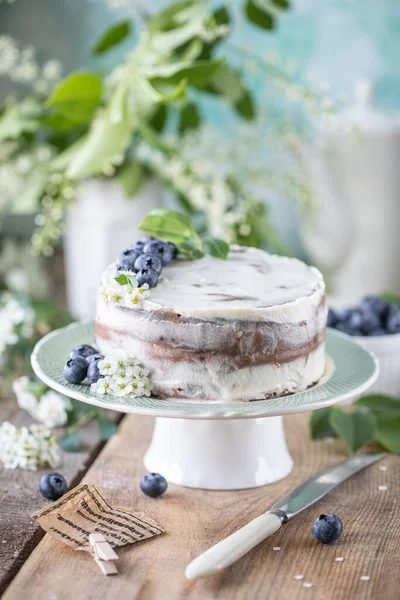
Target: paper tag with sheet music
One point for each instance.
(83, 511)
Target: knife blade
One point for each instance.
(229, 550)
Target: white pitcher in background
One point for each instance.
(354, 234)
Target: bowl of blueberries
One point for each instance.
(375, 324)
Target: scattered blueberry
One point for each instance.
(327, 528)
(148, 261)
(93, 357)
(75, 370)
(153, 484)
(52, 486)
(84, 350)
(147, 276)
(163, 250)
(93, 373)
(126, 260)
(393, 319)
(332, 318)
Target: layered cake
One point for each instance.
(245, 328)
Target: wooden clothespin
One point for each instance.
(104, 555)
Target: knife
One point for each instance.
(235, 546)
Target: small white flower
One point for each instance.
(27, 448)
(107, 366)
(53, 409)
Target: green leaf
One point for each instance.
(106, 427)
(258, 16)
(222, 16)
(158, 118)
(356, 428)
(192, 50)
(19, 118)
(391, 297)
(122, 279)
(227, 82)
(77, 96)
(190, 249)
(245, 106)
(189, 118)
(216, 247)
(153, 139)
(105, 140)
(166, 18)
(320, 423)
(284, 4)
(381, 404)
(197, 74)
(113, 36)
(70, 442)
(169, 225)
(130, 177)
(387, 432)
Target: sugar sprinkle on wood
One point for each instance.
(339, 559)
(365, 578)
(307, 584)
(276, 548)
(382, 488)
(299, 577)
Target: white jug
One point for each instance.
(354, 235)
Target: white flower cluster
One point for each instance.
(16, 321)
(21, 66)
(122, 376)
(50, 408)
(130, 294)
(29, 448)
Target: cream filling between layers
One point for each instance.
(210, 380)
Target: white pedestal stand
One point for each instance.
(226, 454)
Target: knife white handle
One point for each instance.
(233, 547)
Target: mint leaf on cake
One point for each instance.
(177, 228)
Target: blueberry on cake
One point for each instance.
(245, 328)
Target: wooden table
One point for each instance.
(194, 519)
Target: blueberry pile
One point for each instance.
(146, 258)
(373, 316)
(82, 363)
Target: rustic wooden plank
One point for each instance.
(20, 497)
(194, 519)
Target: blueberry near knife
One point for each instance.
(235, 546)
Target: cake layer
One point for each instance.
(250, 327)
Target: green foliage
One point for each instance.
(106, 427)
(130, 177)
(19, 118)
(355, 428)
(112, 37)
(76, 98)
(320, 424)
(189, 117)
(374, 418)
(215, 247)
(70, 442)
(175, 227)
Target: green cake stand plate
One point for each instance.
(213, 445)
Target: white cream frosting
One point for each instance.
(250, 284)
